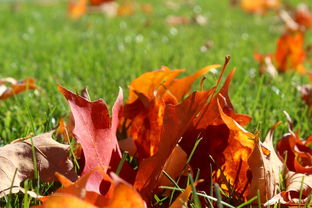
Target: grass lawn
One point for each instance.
(39, 40)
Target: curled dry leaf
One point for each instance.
(297, 152)
(96, 132)
(51, 157)
(298, 191)
(10, 87)
(265, 167)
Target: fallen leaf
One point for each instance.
(177, 119)
(51, 157)
(177, 20)
(77, 8)
(306, 92)
(225, 144)
(266, 65)
(148, 97)
(259, 6)
(290, 54)
(99, 2)
(303, 16)
(298, 191)
(96, 132)
(297, 152)
(173, 166)
(10, 87)
(120, 193)
(265, 167)
(124, 195)
(180, 87)
(68, 201)
(126, 8)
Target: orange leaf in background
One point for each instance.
(303, 17)
(299, 154)
(126, 8)
(10, 87)
(223, 139)
(99, 2)
(290, 54)
(265, 64)
(306, 92)
(259, 6)
(77, 8)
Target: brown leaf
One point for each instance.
(178, 20)
(297, 184)
(266, 168)
(306, 92)
(10, 87)
(51, 157)
(297, 152)
(265, 64)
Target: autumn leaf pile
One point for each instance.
(163, 132)
(165, 140)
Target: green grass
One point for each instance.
(38, 40)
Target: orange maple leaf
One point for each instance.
(148, 97)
